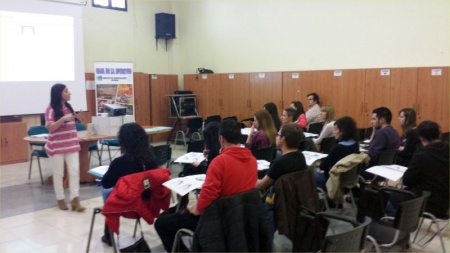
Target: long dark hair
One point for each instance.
(410, 119)
(273, 110)
(299, 107)
(134, 144)
(56, 100)
(211, 136)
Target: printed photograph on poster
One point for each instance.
(106, 94)
(125, 94)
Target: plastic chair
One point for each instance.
(315, 128)
(246, 122)
(184, 236)
(395, 231)
(108, 143)
(386, 157)
(92, 147)
(213, 118)
(352, 240)
(163, 154)
(126, 200)
(264, 154)
(38, 153)
(194, 129)
(433, 221)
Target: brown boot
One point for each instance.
(62, 204)
(76, 205)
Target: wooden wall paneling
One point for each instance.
(90, 100)
(330, 92)
(13, 149)
(265, 87)
(377, 90)
(235, 90)
(194, 83)
(211, 86)
(160, 86)
(351, 95)
(433, 96)
(313, 81)
(403, 92)
(142, 101)
(291, 89)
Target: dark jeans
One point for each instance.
(168, 223)
(321, 179)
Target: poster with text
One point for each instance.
(114, 85)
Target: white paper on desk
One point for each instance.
(184, 185)
(263, 164)
(246, 131)
(99, 171)
(391, 172)
(40, 136)
(307, 135)
(190, 157)
(311, 157)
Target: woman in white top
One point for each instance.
(327, 114)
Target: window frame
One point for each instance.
(110, 6)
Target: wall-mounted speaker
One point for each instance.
(165, 26)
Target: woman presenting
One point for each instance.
(63, 145)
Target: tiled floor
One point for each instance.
(31, 222)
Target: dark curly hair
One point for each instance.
(134, 144)
(56, 100)
(347, 126)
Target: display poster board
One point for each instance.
(114, 84)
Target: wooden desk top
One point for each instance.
(83, 136)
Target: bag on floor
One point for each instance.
(139, 246)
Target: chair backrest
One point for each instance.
(351, 240)
(350, 177)
(213, 118)
(327, 144)
(387, 157)
(194, 124)
(163, 154)
(315, 128)
(307, 145)
(231, 117)
(80, 127)
(408, 214)
(445, 137)
(195, 146)
(264, 154)
(34, 130)
(246, 122)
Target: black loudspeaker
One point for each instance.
(165, 26)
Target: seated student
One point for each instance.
(428, 170)
(233, 171)
(409, 139)
(384, 136)
(327, 115)
(137, 156)
(301, 116)
(273, 110)
(288, 116)
(313, 112)
(288, 139)
(262, 134)
(345, 133)
(212, 149)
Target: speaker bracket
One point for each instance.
(157, 43)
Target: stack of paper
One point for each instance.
(391, 172)
(190, 157)
(309, 135)
(40, 136)
(99, 171)
(263, 164)
(311, 157)
(184, 185)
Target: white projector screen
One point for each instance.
(41, 43)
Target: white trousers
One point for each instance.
(73, 168)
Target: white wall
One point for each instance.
(272, 35)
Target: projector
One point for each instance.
(115, 110)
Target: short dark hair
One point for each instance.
(347, 126)
(293, 134)
(230, 129)
(291, 112)
(383, 112)
(315, 97)
(429, 130)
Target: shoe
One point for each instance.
(106, 240)
(62, 204)
(76, 206)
